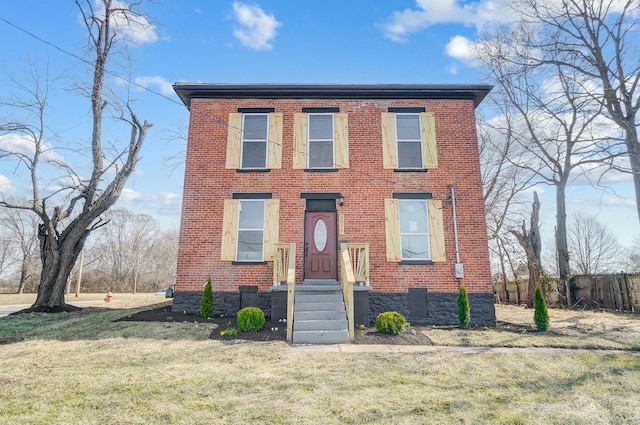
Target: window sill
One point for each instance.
(253, 170)
(321, 170)
(410, 170)
(248, 263)
(416, 263)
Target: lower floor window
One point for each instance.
(414, 229)
(250, 230)
(250, 227)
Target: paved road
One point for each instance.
(5, 310)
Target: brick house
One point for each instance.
(374, 184)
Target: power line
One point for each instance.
(66, 52)
(81, 59)
(294, 150)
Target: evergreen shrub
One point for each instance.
(540, 313)
(391, 322)
(464, 311)
(206, 303)
(250, 319)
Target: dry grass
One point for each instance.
(84, 368)
(118, 300)
(569, 329)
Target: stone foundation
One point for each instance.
(417, 305)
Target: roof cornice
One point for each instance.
(188, 91)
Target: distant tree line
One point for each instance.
(130, 253)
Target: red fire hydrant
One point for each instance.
(108, 298)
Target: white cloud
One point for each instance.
(163, 203)
(256, 29)
(5, 184)
(462, 48)
(23, 145)
(129, 25)
(431, 12)
(165, 86)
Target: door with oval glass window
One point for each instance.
(320, 245)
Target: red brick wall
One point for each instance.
(364, 186)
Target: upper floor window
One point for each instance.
(320, 139)
(254, 139)
(409, 139)
(255, 129)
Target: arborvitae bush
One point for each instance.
(391, 322)
(206, 303)
(540, 314)
(250, 319)
(464, 311)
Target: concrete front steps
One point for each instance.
(319, 315)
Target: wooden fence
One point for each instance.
(514, 293)
(617, 292)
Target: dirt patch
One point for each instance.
(272, 331)
(275, 331)
(66, 308)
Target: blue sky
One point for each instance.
(276, 41)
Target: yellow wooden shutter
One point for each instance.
(389, 145)
(271, 227)
(436, 230)
(429, 149)
(275, 141)
(229, 230)
(234, 139)
(392, 229)
(341, 130)
(300, 141)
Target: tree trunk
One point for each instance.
(633, 148)
(561, 239)
(58, 255)
(503, 270)
(24, 271)
(531, 243)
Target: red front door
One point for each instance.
(320, 245)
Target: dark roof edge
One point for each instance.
(188, 91)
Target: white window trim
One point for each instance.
(332, 163)
(244, 140)
(427, 235)
(264, 206)
(419, 141)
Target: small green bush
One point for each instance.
(250, 319)
(540, 314)
(464, 311)
(391, 322)
(206, 303)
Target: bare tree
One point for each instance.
(71, 212)
(532, 245)
(127, 245)
(7, 246)
(131, 254)
(503, 183)
(634, 255)
(22, 228)
(600, 41)
(594, 248)
(555, 121)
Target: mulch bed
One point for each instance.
(274, 331)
